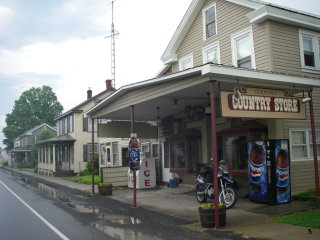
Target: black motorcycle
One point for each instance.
(227, 185)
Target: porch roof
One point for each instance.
(58, 140)
(22, 149)
(191, 85)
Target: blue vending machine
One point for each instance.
(269, 171)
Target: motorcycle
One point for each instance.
(227, 185)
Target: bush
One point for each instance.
(96, 165)
(5, 163)
(305, 196)
(35, 170)
(85, 172)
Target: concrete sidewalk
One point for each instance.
(246, 217)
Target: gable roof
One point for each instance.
(30, 131)
(261, 11)
(78, 108)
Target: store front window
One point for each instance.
(184, 153)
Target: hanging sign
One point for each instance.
(262, 103)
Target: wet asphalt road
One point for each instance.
(72, 214)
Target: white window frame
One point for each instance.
(307, 144)
(316, 48)
(204, 21)
(237, 36)
(184, 60)
(206, 49)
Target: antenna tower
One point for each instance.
(113, 35)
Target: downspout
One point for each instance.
(314, 142)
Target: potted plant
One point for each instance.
(105, 188)
(206, 212)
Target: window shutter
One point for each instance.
(85, 153)
(85, 124)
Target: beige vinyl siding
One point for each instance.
(305, 124)
(262, 48)
(302, 172)
(230, 19)
(285, 49)
(302, 176)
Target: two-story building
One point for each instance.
(21, 152)
(69, 152)
(255, 61)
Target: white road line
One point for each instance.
(53, 228)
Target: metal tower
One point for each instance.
(113, 35)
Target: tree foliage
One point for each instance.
(41, 136)
(34, 107)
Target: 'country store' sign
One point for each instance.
(262, 103)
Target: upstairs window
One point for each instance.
(211, 54)
(310, 50)
(209, 21)
(186, 62)
(242, 49)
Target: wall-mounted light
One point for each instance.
(305, 100)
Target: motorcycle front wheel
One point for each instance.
(200, 194)
(230, 198)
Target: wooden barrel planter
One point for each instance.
(105, 189)
(207, 217)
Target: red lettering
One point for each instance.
(147, 173)
(147, 182)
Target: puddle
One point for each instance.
(124, 234)
(51, 192)
(103, 215)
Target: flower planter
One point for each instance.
(207, 217)
(105, 189)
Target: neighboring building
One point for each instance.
(5, 157)
(21, 152)
(69, 152)
(266, 52)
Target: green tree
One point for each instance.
(41, 136)
(34, 107)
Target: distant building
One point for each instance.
(21, 152)
(5, 157)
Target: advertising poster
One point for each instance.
(282, 171)
(258, 187)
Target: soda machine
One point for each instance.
(269, 171)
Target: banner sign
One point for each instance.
(262, 103)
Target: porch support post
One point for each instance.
(54, 158)
(134, 171)
(314, 143)
(39, 160)
(92, 155)
(214, 154)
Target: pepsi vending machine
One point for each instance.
(269, 171)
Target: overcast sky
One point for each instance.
(62, 44)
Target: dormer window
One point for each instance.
(242, 49)
(310, 50)
(209, 21)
